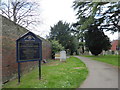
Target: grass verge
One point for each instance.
(69, 74)
(110, 59)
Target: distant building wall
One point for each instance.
(114, 45)
(11, 32)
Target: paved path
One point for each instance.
(101, 75)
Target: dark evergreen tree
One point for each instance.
(93, 19)
(62, 32)
(96, 41)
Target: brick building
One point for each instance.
(11, 32)
(114, 47)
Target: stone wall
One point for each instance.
(11, 32)
(0, 53)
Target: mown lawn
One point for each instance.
(56, 74)
(110, 59)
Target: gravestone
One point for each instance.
(63, 56)
(57, 56)
(103, 52)
(90, 53)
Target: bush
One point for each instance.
(56, 47)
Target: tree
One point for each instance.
(62, 32)
(81, 47)
(97, 16)
(56, 47)
(22, 12)
(96, 41)
(80, 36)
(72, 45)
(104, 14)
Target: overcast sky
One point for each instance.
(54, 10)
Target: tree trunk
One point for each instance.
(82, 46)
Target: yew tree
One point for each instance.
(96, 41)
(62, 33)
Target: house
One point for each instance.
(114, 47)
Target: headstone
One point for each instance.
(57, 56)
(103, 52)
(90, 53)
(63, 56)
(116, 52)
(74, 53)
(107, 52)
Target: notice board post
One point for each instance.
(18, 72)
(28, 48)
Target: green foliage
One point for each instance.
(72, 44)
(81, 43)
(97, 41)
(110, 59)
(70, 74)
(62, 32)
(56, 46)
(102, 14)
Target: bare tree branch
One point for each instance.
(22, 12)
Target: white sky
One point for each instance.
(54, 10)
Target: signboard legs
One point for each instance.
(39, 69)
(18, 73)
